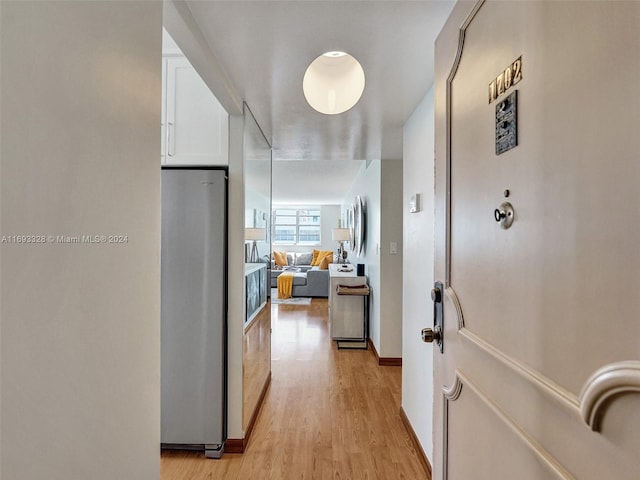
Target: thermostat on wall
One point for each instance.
(414, 203)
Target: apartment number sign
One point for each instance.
(507, 79)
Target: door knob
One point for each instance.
(504, 215)
(432, 335)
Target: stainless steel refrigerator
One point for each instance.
(193, 309)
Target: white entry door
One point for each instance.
(540, 372)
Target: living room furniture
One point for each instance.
(347, 313)
(308, 281)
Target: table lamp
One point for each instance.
(341, 235)
(254, 234)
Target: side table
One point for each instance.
(348, 307)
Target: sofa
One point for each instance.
(308, 281)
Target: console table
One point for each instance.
(347, 313)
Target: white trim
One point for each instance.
(531, 443)
(453, 297)
(557, 393)
(605, 385)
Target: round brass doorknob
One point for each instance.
(430, 336)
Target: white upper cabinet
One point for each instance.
(195, 127)
(163, 129)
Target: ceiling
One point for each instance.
(262, 48)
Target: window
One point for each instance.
(296, 226)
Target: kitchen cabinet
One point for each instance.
(195, 127)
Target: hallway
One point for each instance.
(328, 414)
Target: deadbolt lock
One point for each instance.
(504, 215)
(436, 295)
(434, 335)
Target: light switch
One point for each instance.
(414, 203)
(393, 248)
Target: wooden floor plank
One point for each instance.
(329, 414)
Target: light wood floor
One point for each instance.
(329, 414)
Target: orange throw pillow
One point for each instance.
(326, 260)
(321, 254)
(280, 258)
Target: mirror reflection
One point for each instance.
(257, 328)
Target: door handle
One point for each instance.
(170, 147)
(429, 335)
(435, 334)
(504, 215)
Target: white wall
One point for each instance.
(330, 216)
(367, 185)
(391, 264)
(379, 185)
(417, 356)
(80, 323)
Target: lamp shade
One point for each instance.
(255, 233)
(340, 234)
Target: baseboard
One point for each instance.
(390, 361)
(254, 417)
(234, 445)
(416, 443)
(238, 445)
(385, 361)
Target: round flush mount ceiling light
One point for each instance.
(333, 83)
(334, 54)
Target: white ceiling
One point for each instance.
(262, 49)
(303, 182)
